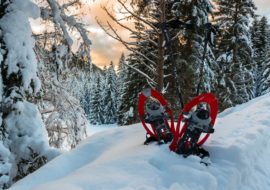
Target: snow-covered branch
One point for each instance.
(65, 22)
(59, 22)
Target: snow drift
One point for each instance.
(117, 159)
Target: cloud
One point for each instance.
(104, 49)
(263, 8)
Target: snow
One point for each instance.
(117, 159)
(25, 128)
(5, 166)
(1, 88)
(56, 12)
(19, 42)
(94, 129)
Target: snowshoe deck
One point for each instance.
(149, 127)
(180, 131)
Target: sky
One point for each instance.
(263, 7)
(104, 48)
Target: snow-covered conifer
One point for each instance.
(234, 52)
(124, 108)
(133, 83)
(266, 78)
(24, 145)
(110, 95)
(260, 40)
(96, 115)
(192, 69)
(121, 71)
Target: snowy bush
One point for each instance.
(66, 123)
(64, 118)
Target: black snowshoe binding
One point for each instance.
(197, 122)
(155, 115)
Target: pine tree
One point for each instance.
(266, 78)
(96, 115)
(132, 85)
(110, 96)
(23, 138)
(190, 64)
(137, 72)
(147, 38)
(260, 40)
(121, 67)
(234, 52)
(59, 102)
(120, 78)
(86, 95)
(127, 97)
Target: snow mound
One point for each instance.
(117, 159)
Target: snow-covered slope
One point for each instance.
(117, 159)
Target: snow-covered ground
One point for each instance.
(117, 159)
(94, 129)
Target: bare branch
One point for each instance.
(65, 6)
(142, 73)
(117, 37)
(127, 28)
(109, 34)
(150, 83)
(48, 111)
(131, 49)
(138, 17)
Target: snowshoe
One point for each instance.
(195, 124)
(154, 114)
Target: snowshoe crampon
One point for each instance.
(155, 114)
(182, 138)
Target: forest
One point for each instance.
(50, 91)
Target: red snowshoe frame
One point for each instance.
(208, 98)
(143, 96)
